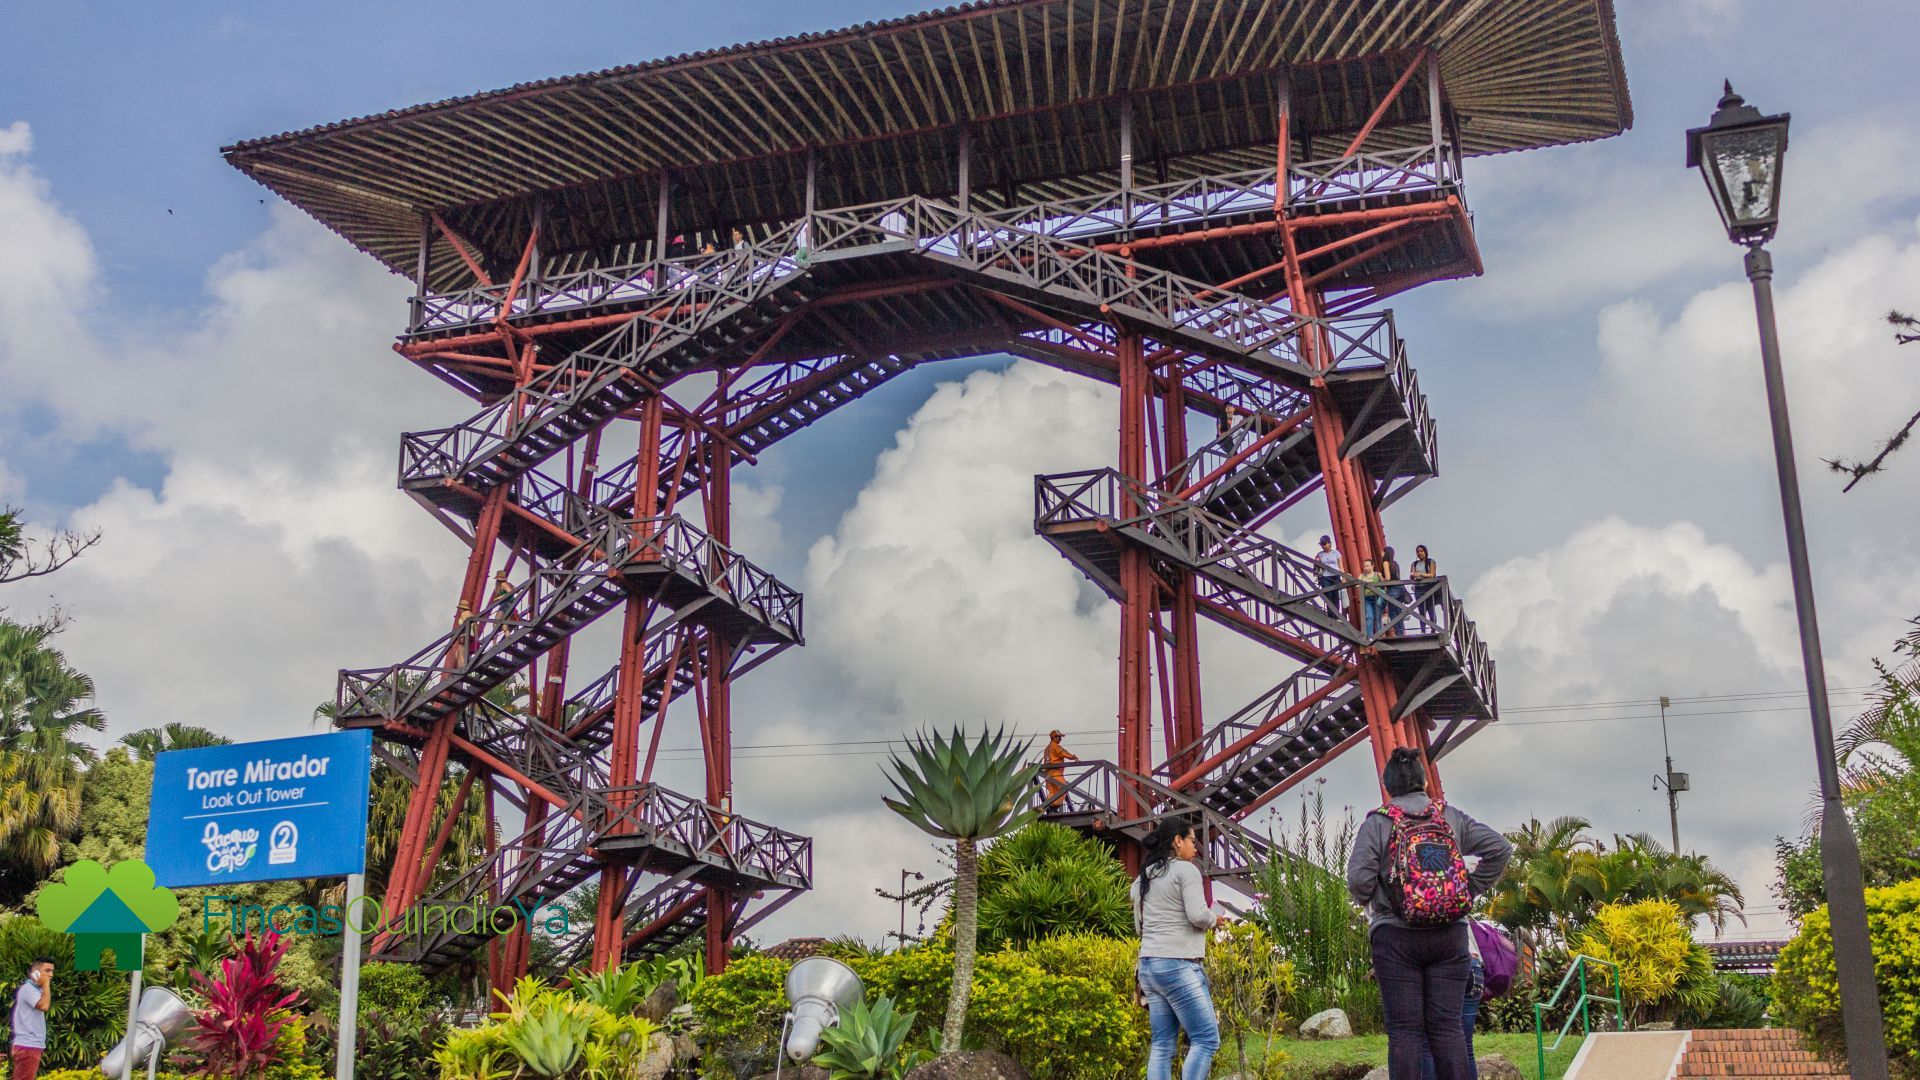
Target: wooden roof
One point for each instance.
(1036, 82)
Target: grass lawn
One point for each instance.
(1305, 1058)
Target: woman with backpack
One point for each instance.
(1408, 871)
(1171, 914)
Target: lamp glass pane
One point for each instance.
(1748, 166)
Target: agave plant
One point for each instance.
(868, 1043)
(619, 990)
(964, 792)
(472, 1054)
(550, 1038)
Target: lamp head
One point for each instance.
(817, 989)
(162, 1016)
(1740, 154)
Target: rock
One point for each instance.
(659, 1059)
(1658, 1025)
(661, 1003)
(685, 1049)
(1330, 1024)
(970, 1065)
(799, 1072)
(1377, 1074)
(1497, 1067)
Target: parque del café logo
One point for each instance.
(109, 912)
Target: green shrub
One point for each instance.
(1304, 907)
(1046, 879)
(1807, 994)
(739, 1012)
(917, 980)
(399, 989)
(1060, 1027)
(546, 1032)
(1662, 969)
(1252, 983)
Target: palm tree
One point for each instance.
(44, 704)
(964, 793)
(1550, 880)
(148, 742)
(1639, 868)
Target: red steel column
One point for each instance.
(628, 712)
(1137, 580)
(1355, 521)
(405, 881)
(718, 732)
(1188, 724)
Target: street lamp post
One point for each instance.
(1674, 782)
(917, 876)
(1740, 153)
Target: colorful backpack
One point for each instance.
(1426, 876)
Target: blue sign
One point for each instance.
(261, 811)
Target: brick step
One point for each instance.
(1752, 1054)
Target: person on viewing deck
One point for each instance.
(1396, 594)
(1424, 571)
(1408, 871)
(1171, 915)
(1373, 597)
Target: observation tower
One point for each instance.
(646, 277)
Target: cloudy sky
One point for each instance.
(204, 375)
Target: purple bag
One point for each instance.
(1497, 956)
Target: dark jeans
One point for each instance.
(1423, 987)
(1469, 1012)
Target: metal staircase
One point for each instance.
(663, 558)
(1102, 799)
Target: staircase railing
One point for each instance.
(1581, 1006)
(1105, 214)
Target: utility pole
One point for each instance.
(1674, 782)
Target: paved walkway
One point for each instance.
(1628, 1056)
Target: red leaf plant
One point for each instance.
(234, 1035)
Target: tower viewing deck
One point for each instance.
(1200, 202)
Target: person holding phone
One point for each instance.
(30, 1004)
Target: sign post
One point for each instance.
(269, 811)
(133, 1021)
(349, 1026)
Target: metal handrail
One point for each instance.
(1581, 1007)
(1196, 201)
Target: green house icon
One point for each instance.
(107, 909)
(108, 923)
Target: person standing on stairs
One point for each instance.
(1172, 917)
(1408, 871)
(1329, 559)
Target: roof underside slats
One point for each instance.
(1036, 82)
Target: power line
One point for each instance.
(892, 744)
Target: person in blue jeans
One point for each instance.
(1171, 914)
(1469, 1012)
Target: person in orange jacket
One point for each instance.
(1051, 761)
